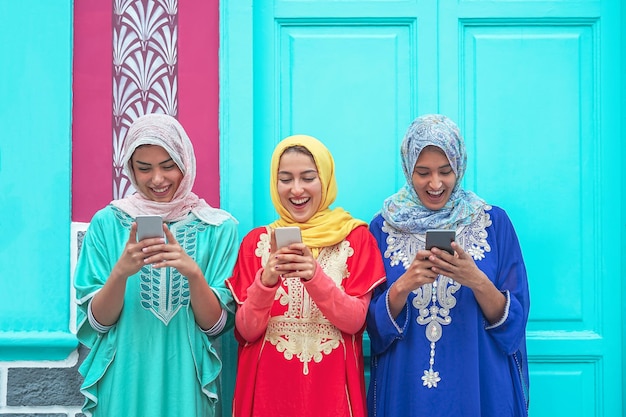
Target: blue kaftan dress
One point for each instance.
(155, 361)
(477, 369)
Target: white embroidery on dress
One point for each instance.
(434, 302)
(402, 247)
(303, 331)
(164, 291)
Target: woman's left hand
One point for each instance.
(296, 261)
(171, 254)
(460, 266)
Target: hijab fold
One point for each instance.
(404, 210)
(327, 226)
(165, 131)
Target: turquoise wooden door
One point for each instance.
(532, 86)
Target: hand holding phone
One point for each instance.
(149, 226)
(440, 238)
(285, 236)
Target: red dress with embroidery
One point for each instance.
(300, 343)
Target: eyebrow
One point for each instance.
(424, 167)
(160, 163)
(310, 171)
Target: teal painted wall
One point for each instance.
(623, 190)
(35, 157)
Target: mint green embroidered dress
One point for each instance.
(155, 361)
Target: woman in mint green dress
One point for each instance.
(150, 310)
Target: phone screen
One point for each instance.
(149, 226)
(442, 239)
(285, 236)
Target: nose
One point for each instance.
(297, 188)
(435, 181)
(157, 176)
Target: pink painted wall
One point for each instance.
(198, 100)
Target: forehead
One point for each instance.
(432, 154)
(149, 152)
(294, 161)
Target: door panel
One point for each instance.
(334, 79)
(530, 85)
(532, 102)
(569, 382)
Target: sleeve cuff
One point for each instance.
(218, 326)
(505, 316)
(399, 329)
(100, 328)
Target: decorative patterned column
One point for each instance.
(145, 70)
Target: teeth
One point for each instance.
(435, 193)
(160, 190)
(299, 200)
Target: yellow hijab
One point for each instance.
(327, 226)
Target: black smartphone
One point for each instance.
(440, 238)
(285, 236)
(149, 226)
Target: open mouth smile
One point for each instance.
(160, 191)
(299, 202)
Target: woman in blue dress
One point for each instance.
(447, 331)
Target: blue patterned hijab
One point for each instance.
(404, 210)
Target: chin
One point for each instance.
(434, 207)
(163, 199)
(300, 218)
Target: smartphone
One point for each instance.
(149, 226)
(285, 236)
(442, 239)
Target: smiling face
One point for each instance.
(433, 178)
(156, 174)
(299, 186)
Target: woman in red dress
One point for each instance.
(301, 308)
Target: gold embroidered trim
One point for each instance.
(302, 331)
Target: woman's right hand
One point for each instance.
(270, 275)
(419, 272)
(133, 256)
(416, 275)
(107, 304)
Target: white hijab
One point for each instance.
(165, 131)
